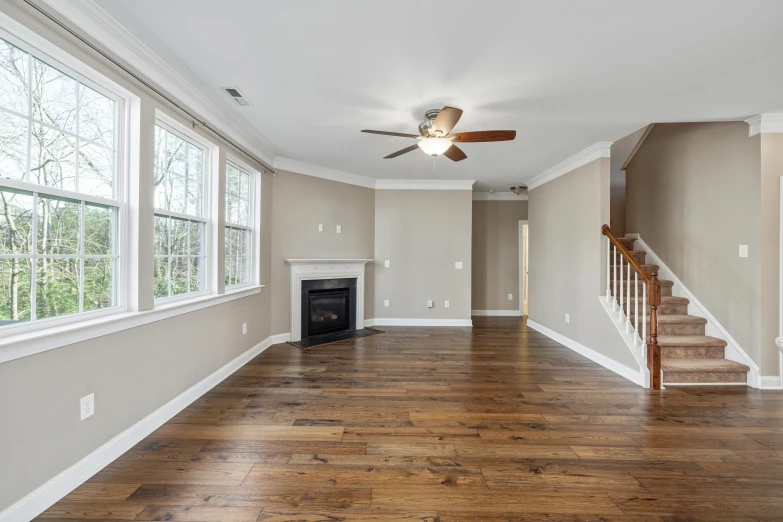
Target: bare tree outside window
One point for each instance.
(239, 225)
(57, 252)
(180, 225)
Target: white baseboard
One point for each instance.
(379, 321)
(36, 502)
(635, 376)
(497, 313)
(733, 351)
(772, 382)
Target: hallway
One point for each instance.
(447, 424)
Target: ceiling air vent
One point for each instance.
(240, 99)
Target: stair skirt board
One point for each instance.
(636, 376)
(50, 492)
(496, 313)
(733, 350)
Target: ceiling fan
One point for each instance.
(434, 137)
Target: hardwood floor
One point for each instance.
(449, 425)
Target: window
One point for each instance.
(60, 191)
(180, 216)
(240, 207)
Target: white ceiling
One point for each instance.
(564, 74)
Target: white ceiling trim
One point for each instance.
(424, 184)
(308, 169)
(765, 124)
(601, 149)
(97, 23)
(498, 196)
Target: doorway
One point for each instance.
(523, 264)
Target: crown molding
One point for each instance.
(599, 150)
(498, 196)
(317, 171)
(424, 184)
(94, 21)
(765, 124)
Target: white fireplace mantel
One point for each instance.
(304, 269)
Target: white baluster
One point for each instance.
(614, 260)
(644, 319)
(636, 306)
(622, 311)
(608, 268)
(628, 301)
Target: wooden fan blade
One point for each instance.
(446, 120)
(403, 151)
(386, 133)
(483, 136)
(454, 153)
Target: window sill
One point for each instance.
(30, 343)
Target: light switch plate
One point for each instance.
(339, 229)
(568, 318)
(429, 304)
(510, 297)
(244, 328)
(743, 250)
(385, 302)
(87, 406)
(446, 303)
(458, 265)
(386, 264)
(320, 227)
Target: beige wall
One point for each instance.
(495, 256)
(694, 195)
(133, 372)
(567, 272)
(771, 171)
(301, 204)
(422, 233)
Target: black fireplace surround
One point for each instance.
(328, 306)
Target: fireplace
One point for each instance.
(328, 306)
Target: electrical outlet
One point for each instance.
(743, 250)
(458, 265)
(339, 229)
(320, 227)
(510, 297)
(87, 406)
(386, 302)
(386, 264)
(244, 328)
(568, 318)
(429, 304)
(446, 303)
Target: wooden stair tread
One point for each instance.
(703, 365)
(690, 340)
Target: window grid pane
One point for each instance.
(48, 266)
(58, 256)
(180, 259)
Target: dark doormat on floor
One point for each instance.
(345, 335)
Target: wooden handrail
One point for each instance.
(627, 255)
(653, 300)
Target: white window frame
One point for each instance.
(209, 210)
(40, 48)
(254, 207)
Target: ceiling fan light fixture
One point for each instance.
(435, 146)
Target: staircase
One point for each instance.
(688, 356)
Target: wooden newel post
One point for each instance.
(653, 350)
